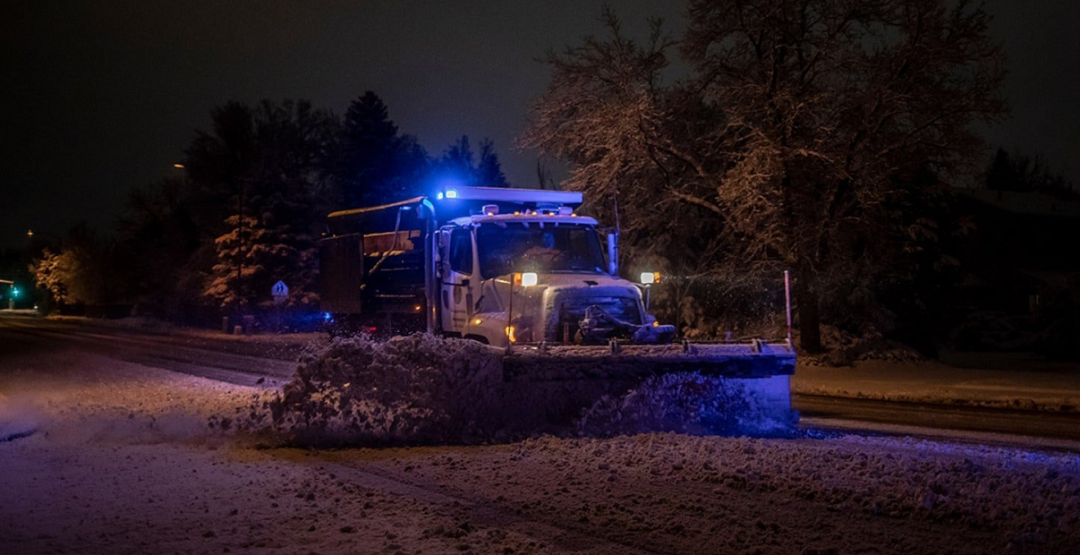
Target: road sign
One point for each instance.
(280, 291)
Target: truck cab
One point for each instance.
(528, 276)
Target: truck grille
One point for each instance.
(572, 310)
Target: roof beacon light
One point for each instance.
(451, 193)
(491, 209)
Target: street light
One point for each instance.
(30, 234)
(37, 240)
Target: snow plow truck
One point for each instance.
(522, 271)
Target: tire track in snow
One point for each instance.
(483, 512)
(10, 431)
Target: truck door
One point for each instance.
(455, 292)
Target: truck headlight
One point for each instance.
(648, 278)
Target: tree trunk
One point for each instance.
(806, 301)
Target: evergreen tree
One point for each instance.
(279, 194)
(376, 164)
(489, 170)
(459, 163)
(253, 198)
(160, 236)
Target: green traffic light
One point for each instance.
(14, 291)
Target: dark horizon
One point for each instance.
(102, 99)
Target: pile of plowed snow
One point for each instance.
(423, 389)
(415, 389)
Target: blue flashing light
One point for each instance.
(326, 316)
(447, 186)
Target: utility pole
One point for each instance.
(12, 293)
(239, 245)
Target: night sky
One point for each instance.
(99, 97)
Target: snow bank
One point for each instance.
(423, 389)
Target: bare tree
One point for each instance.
(83, 271)
(797, 138)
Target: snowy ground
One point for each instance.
(1003, 380)
(121, 461)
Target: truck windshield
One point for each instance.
(510, 247)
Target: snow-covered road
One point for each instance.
(236, 362)
(1019, 403)
(122, 461)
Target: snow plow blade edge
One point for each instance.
(574, 362)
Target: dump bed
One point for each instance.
(372, 262)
